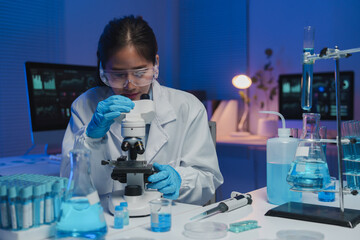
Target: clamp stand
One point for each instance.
(316, 213)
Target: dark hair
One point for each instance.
(122, 32)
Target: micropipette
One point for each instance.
(227, 205)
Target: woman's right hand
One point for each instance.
(105, 113)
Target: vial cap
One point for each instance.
(124, 204)
(118, 208)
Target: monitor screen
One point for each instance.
(324, 95)
(51, 90)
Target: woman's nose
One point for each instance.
(128, 84)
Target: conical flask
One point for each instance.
(81, 214)
(309, 170)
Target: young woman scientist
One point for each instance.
(179, 143)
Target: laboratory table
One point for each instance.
(139, 228)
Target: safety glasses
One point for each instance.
(121, 78)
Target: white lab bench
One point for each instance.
(140, 228)
(34, 164)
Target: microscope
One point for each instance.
(133, 169)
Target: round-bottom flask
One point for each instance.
(309, 170)
(81, 215)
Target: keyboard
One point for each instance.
(35, 164)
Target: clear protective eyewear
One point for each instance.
(121, 78)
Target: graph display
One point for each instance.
(52, 89)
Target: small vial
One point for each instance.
(119, 217)
(126, 213)
(328, 196)
(26, 207)
(37, 195)
(12, 209)
(56, 194)
(42, 204)
(49, 204)
(3, 207)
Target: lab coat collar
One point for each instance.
(165, 113)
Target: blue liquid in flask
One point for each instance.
(309, 175)
(80, 219)
(160, 222)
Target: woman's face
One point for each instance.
(128, 59)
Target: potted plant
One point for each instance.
(266, 87)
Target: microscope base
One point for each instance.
(317, 213)
(138, 206)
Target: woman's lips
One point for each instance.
(131, 95)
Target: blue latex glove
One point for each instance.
(166, 181)
(106, 111)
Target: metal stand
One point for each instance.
(316, 213)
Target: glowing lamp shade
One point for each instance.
(241, 81)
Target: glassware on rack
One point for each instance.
(309, 170)
(351, 130)
(81, 213)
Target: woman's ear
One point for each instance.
(156, 67)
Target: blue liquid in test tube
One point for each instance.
(306, 82)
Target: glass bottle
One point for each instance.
(81, 214)
(309, 170)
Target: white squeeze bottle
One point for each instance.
(280, 152)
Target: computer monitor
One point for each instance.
(51, 90)
(324, 95)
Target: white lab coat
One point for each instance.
(179, 136)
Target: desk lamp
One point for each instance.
(242, 82)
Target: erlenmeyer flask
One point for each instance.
(309, 170)
(81, 213)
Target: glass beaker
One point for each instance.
(81, 213)
(160, 210)
(309, 170)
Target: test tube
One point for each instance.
(49, 203)
(307, 79)
(12, 209)
(323, 135)
(36, 205)
(3, 207)
(42, 204)
(57, 187)
(26, 207)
